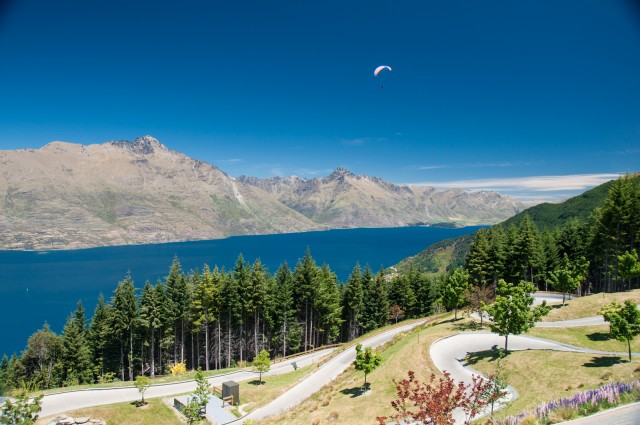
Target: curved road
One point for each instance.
(449, 353)
(325, 374)
(63, 402)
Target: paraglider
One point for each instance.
(380, 68)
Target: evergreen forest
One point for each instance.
(216, 318)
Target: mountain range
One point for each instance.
(66, 195)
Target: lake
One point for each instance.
(39, 286)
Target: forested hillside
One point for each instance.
(214, 319)
(551, 216)
(595, 254)
(544, 216)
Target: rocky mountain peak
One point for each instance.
(144, 145)
(340, 172)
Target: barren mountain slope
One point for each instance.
(68, 196)
(345, 200)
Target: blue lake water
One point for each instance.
(45, 286)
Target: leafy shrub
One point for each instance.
(178, 369)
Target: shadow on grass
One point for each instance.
(599, 336)
(138, 403)
(356, 391)
(489, 355)
(256, 382)
(469, 326)
(603, 361)
(452, 320)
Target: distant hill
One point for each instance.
(439, 257)
(344, 199)
(67, 195)
(448, 254)
(551, 216)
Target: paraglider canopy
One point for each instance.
(380, 68)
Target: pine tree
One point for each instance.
(512, 270)
(526, 248)
(124, 317)
(425, 292)
(288, 330)
(76, 351)
(353, 303)
(178, 306)
(232, 311)
(401, 294)
(327, 307)
(304, 291)
(4, 365)
(166, 334)
(96, 340)
(150, 319)
(477, 262)
(546, 257)
(376, 302)
(259, 300)
(242, 278)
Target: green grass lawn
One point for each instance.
(343, 401)
(542, 376)
(587, 306)
(155, 412)
(593, 337)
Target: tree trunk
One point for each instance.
(255, 331)
(151, 356)
(206, 343)
(306, 322)
(284, 338)
(121, 360)
(131, 355)
(506, 341)
(181, 340)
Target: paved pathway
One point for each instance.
(449, 353)
(63, 402)
(325, 374)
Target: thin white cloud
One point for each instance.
(312, 172)
(359, 141)
(533, 183)
(474, 165)
(231, 161)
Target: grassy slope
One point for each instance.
(541, 376)
(156, 412)
(537, 375)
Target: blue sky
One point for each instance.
(539, 99)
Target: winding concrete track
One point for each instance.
(325, 374)
(449, 353)
(63, 402)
